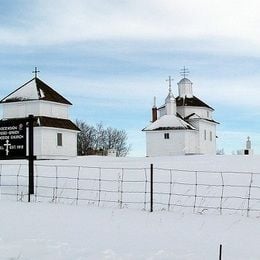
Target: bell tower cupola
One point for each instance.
(170, 102)
(185, 85)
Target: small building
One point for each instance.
(55, 135)
(248, 150)
(111, 152)
(182, 125)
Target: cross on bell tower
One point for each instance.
(184, 72)
(36, 71)
(170, 83)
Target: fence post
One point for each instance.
(31, 158)
(36, 183)
(196, 191)
(222, 193)
(17, 179)
(151, 188)
(220, 252)
(77, 195)
(99, 185)
(170, 191)
(56, 184)
(145, 187)
(249, 194)
(1, 169)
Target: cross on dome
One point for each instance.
(184, 72)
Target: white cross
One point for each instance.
(7, 145)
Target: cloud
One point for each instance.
(231, 25)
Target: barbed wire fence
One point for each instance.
(142, 188)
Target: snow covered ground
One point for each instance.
(49, 231)
(45, 231)
(193, 162)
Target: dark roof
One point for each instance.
(194, 101)
(209, 120)
(49, 94)
(55, 123)
(163, 106)
(171, 128)
(187, 118)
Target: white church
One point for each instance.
(55, 135)
(183, 125)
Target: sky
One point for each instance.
(111, 57)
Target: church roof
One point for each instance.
(35, 89)
(55, 123)
(169, 122)
(194, 116)
(193, 101)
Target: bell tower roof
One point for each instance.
(35, 89)
(170, 96)
(184, 81)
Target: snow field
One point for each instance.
(54, 229)
(47, 231)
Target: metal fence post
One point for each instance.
(249, 194)
(31, 158)
(220, 252)
(151, 188)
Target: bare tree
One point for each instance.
(116, 139)
(86, 137)
(93, 140)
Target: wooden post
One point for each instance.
(31, 158)
(151, 188)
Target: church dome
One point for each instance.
(185, 81)
(185, 88)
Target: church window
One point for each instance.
(59, 139)
(205, 135)
(207, 114)
(166, 136)
(210, 136)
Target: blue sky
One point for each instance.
(111, 57)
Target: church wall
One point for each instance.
(156, 145)
(37, 108)
(207, 144)
(52, 109)
(19, 109)
(201, 111)
(46, 143)
(191, 142)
